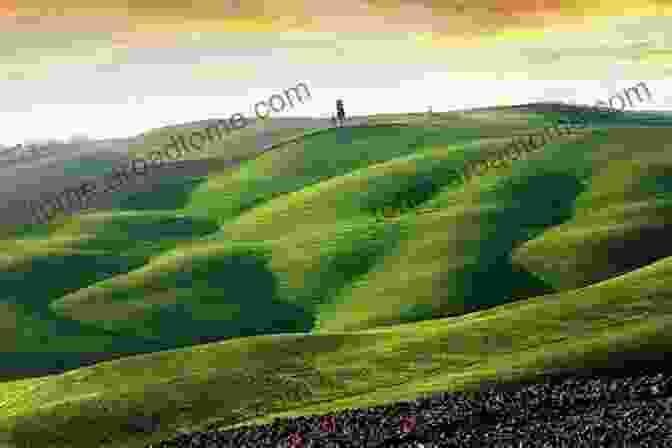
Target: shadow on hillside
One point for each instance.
(135, 233)
(528, 206)
(222, 298)
(616, 231)
(47, 278)
(40, 329)
(166, 194)
(33, 285)
(403, 194)
(232, 296)
(634, 249)
(338, 269)
(30, 364)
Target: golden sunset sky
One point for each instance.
(120, 68)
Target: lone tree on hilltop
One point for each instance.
(340, 111)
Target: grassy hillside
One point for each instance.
(561, 257)
(623, 319)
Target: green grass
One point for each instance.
(625, 318)
(319, 303)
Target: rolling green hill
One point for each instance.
(319, 304)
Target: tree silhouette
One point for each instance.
(340, 111)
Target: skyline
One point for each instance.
(321, 108)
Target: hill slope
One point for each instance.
(567, 245)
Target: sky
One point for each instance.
(123, 67)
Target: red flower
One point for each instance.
(295, 440)
(407, 423)
(328, 424)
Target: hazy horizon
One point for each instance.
(34, 139)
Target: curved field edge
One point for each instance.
(624, 319)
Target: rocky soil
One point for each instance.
(578, 411)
